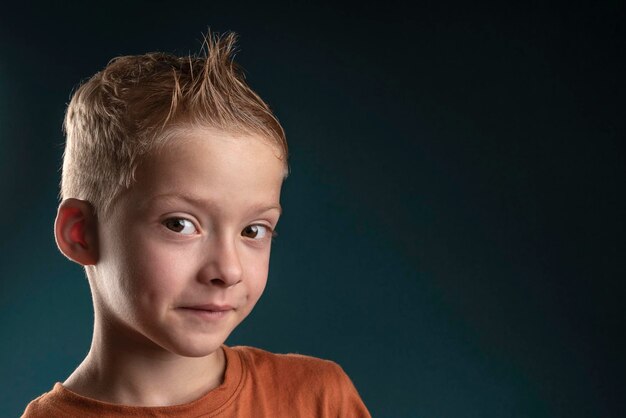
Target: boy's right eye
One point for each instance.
(180, 225)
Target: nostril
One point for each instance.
(223, 283)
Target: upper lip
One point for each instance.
(210, 307)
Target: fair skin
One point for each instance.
(178, 263)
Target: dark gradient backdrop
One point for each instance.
(453, 232)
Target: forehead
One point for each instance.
(212, 166)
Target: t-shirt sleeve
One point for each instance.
(40, 408)
(343, 399)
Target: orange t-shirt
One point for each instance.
(256, 384)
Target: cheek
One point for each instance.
(159, 271)
(146, 273)
(257, 272)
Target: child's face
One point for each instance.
(184, 255)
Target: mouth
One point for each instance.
(212, 307)
(208, 311)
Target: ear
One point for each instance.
(76, 231)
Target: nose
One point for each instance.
(223, 264)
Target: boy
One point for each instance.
(170, 189)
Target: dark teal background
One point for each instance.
(453, 232)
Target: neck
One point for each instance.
(125, 368)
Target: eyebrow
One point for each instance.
(208, 202)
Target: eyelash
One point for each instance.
(166, 221)
(272, 233)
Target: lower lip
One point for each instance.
(207, 315)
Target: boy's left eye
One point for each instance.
(181, 225)
(256, 231)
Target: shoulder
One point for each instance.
(296, 365)
(317, 385)
(35, 408)
(43, 406)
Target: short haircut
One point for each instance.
(136, 102)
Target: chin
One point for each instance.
(198, 352)
(192, 348)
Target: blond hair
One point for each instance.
(126, 110)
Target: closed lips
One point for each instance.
(210, 308)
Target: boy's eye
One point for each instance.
(180, 225)
(255, 231)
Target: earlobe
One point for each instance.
(76, 231)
